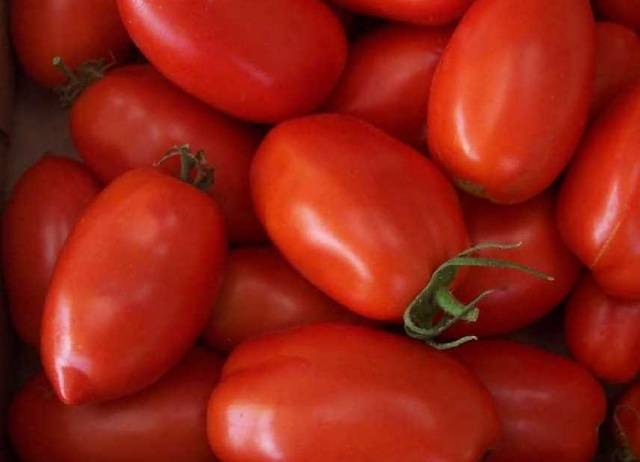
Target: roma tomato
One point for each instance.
(510, 98)
(627, 423)
(426, 12)
(596, 206)
(76, 30)
(133, 287)
(387, 80)
(625, 12)
(261, 293)
(337, 392)
(362, 216)
(130, 116)
(550, 408)
(264, 61)
(164, 423)
(44, 205)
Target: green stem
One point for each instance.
(194, 168)
(77, 80)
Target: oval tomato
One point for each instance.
(627, 423)
(132, 115)
(117, 316)
(387, 80)
(263, 61)
(550, 408)
(345, 393)
(625, 12)
(426, 12)
(76, 30)
(44, 205)
(362, 216)
(510, 97)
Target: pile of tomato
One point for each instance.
(306, 230)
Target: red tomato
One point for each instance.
(133, 287)
(328, 393)
(44, 206)
(132, 115)
(596, 206)
(550, 408)
(261, 294)
(625, 12)
(387, 80)
(427, 12)
(511, 95)
(76, 30)
(362, 216)
(263, 61)
(627, 423)
(164, 423)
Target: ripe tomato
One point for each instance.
(164, 423)
(261, 293)
(550, 408)
(362, 216)
(328, 393)
(627, 423)
(426, 12)
(116, 316)
(263, 61)
(130, 116)
(388, 77)
(44, 206)
(76, 30)
(596, 206)
(511, 95)
(625, 12)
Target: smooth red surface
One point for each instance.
(164, 423)
(597, 211)
(388, 77)
(550, 407)
(426, 12)
(627, 422)
(43, 208)
(133, 287)
(625, 12)
(511, 95)
(264, 61)
(362, 216)
(330, 393)
(132, 116)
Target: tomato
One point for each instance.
(43, 207)
(76, 30)
(133, 287)
(125, 120)
(627, 423)
(262, 293)
(362, 216)
(595, 213)
(164, 423)
(426, 12)
(264, 61)
(328, 393)
(511, 95)
(550, 408)
(387, 80)
(625, 12)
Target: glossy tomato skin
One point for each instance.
(362, 216)
(45, 204)
(596, 212)
(510, 98)
(550, 407)
(163, 423)
(625, 12)
(76, 30)
(626, 422)
(262, 61)
(387, 80)
(362, 395)
(261, 293)
(425, 12)
(133, 115)
(133, 287)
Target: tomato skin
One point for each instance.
(364, 398)
(625, 12)
(133, 115)
(164, 423)
(425, 12)
(76, 30)
(627, 428)
(363, 217)
(116, 316)
(44, 205)
(550, 407)
(594, 210)
(503, 122)
(261, 61)
(387, 80)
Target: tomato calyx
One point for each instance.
(194, 167)
(80, 78)
(436, 308)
